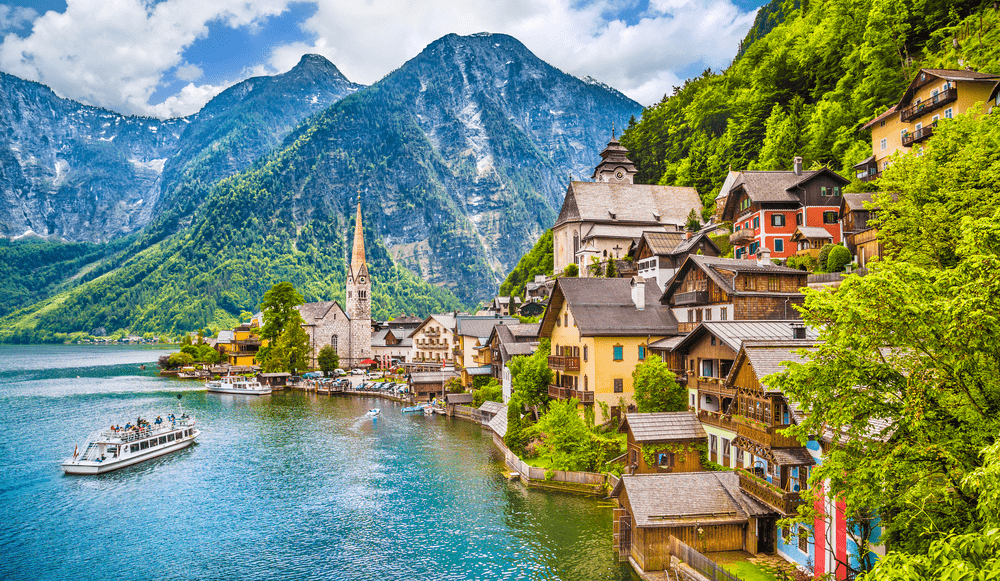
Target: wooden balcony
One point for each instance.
(783, 501)
(714, 386)
(871, 176)
(742, 236)
(691, 298)
(717, 419)
(925, 107)
(564, 363)
(560, 392)
(765, 436)
(918, 135)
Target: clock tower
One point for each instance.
(359, 287)
(615, 166)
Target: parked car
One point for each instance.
(357, 371)
(339, 372)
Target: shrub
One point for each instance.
(838, 258)
(571, 270)
(824, 253)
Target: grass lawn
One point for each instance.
(747, 571)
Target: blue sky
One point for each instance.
(168, 57)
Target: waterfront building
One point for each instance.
(434, 339)
(663, 442)
(391, 345)
(472, 334)
(766, 207)
(708, 288)
(932, 97)
(600, 329)
(601, 218)
(505, 343)
(242, 348)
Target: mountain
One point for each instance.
(82, 173)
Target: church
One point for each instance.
(349, 332)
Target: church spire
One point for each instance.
(358, 255)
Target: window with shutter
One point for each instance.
(619, 385)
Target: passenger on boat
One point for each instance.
(159, 420)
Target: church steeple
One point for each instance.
(358, 255)
(615, 166)
(358, 283)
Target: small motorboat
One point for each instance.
(373, 413)
(415, 409)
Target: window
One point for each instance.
(143, 445)
(584, 352)
(836, 191)
(756, 222)
(715, 442)
(619, 385)
(822, 191)
(584, 383)
(706, 368)
(773, 284)
(749, 283)
(170, 437)
(935, 119)
(725, 448)
(798, 219)
(642, 352)
(713, 340)
(697, 314)
(777, 219)
(690, 316)
(618, 353)
(708, 314)
(134, 448)
(779, 245)
(566, 320)
(829, 217)
(803, 539)
(883, 144)
(739, 456)
(333, 342)
(635, 456)
(948, 113)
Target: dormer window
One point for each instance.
(612, 214)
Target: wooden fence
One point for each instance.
(699, 562)
(465, 411)
(533, 473)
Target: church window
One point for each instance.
(333, 342)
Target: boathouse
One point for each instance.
(664, 442)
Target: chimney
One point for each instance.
(798, 331)
(798, 165)
(764, 256)
(639, 292)
(688, 234)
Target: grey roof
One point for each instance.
(663, 426)
(515, 349)
(661, 243)
(492, 407)
(473, 326)
(771, 186)
(311, 312)
(793, 456)
(276, 374)
(459, 398)
(524, 330)
(628, 203)
(226, 336)
(480, 370)
(857, 201)
(446, 320)
(499, 422)
(766, 357)
(667, 343)
(721, 270)
(614, 231)
(811, 232)
(432, 376)
(728, 184)
(734, 333)
(378, 338)
(604, 307)
(687, 498)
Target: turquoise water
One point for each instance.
(287, 486)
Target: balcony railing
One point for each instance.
(741, 236)
(564, 363)
(691, 298)
(715, 385)
(935, 102)
(867, 177)
(560, 392)
(783, 501)
(765, 436)
(717, 419)
(918, 135)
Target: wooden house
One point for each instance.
(658, 255)
(426, 385)
(705, 510)
(663, 442)
(860, 235)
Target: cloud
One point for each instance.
(117, 53)
(15, 17)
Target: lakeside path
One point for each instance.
(287, 486)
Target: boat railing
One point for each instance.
(133, 434)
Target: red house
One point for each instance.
(766, 207)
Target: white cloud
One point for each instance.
(115, 53)
(15, 17)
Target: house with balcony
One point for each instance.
(245, 344)
(472, 334)
(708, 288)
(505, 343)
(600, 219)
(933, 96)
(434, 340)
(809, 240)
(766, 207)
(658, 255)
(600, 329)
(663, 442)
(391, 344)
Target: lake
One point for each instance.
(286, 486)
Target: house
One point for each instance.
(392, 345)
(708, 288)
(766, 207)
(933, 96)
(434, 339)
(501, 306)
(426, 385)
(658, 255)
(505, 343)
(472, 334)
(539, 289)
(663, 442)
(860, 235)
(275, 380)
(244, 345)
(601, 219)
(489, 410)
(599, 330)
(327, 323)
(705, 510)
(809, 240)
(708, 353)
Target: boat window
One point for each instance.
(163, 440)
(170, 438)
(143, 444)
(152, 442)
(135, 448)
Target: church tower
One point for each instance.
(359, 288)
(615, 166)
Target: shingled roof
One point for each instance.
(687, 498)
(473, 326)
(663, 427)
(499, 422)
(603, 307)
(734, 333)
(772, 187)
(620, 203)
(312, 312)
(766, 357)
(721, 271)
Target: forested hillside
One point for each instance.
(805, 88)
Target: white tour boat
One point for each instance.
(238, 384)
(112, 449)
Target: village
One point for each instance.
(635, 279)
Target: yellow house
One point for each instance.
(472, 334)
(600, 329)
(933, 95)
(243, 346)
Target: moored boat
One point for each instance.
(238, 384)
(416, 409)
(112, 449)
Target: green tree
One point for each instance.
(328, 359)
(596, 267)
(656, 387)
(491, 391)
(571, 270)
(288, 345)
(693, 221)
(823, 257)
(531, 376)
(838, 258)
(611, 271)
(565, 436)
(181, 359)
